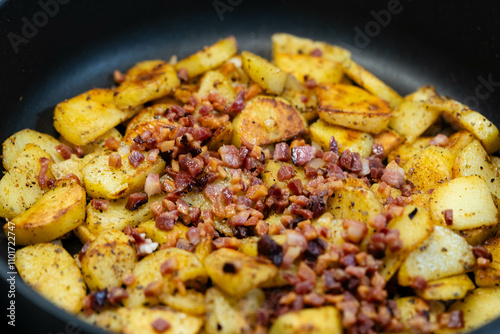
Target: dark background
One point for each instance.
(452, 45)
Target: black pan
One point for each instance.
(54, 49)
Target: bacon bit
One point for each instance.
(230, 156)
(285, 172)
(160, 325)
(393, 175)
(135, 200)
(202, 133)
(170, 266)
(152, 185)
(256, 192)
(419, 283)
(115, 160)
(354, 231)
(378, 151)
(310, 84)
(226, 242)
(333, 146)
(183, 181)
(238, 105)
(153, 155)
(128, 278)
(252, 91)
(448, 217)
(281, 152)
(65, 151)
(136, 158)
(296, 186)
(112, 143)
(165, 222)
(262, 228)
(99, 204)
(440, 140)
(302, 154)
(119, 77)
(269, 248)
(305, 273)
(183, 74)
(214, 194)
(154, 289)
(116, 295)
(218, 101)
(481, 251)
(43, 180)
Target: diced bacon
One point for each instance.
(231, 156)
(136, 158)
(448, 217)
(378, 150)
(135, 200)
(316, 53)
(302, 154)
(285, 172)
(112, 143)
(152, 185)
(99, 204)
(65, 151)
(440, 140)
(115, 160)
(281, 152)
(239, 104)
(183, 74)
(393, 175)
(43, 180)
(202, 133)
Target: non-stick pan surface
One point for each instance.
(51, 50)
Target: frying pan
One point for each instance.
(51, 50)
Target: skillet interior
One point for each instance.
(451, 46)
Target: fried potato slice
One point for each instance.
(371, 83)
(107, 319)
(490, 276)
(106, 259)
(352, 107)
(354, 203)
(441, 255)
(347, 139)
(51, 271)
(216, 82)
(19, 187)
(56, 213)
(470, 201)
(221, 136)
(463, 118)
(14, 145)
(236, 273)
(266, 75)
(406, 151)
(305, 67)
(287, 43)
(301, 98)
(209, 58)
(103, 181)
(84, 118)
(321, 320)
(389, 141)
(449, 288)
(146, 81)
(267, 120)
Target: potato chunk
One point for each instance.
(146, 81)
(106, 259)
(490, 276)
(449, 288)
(56, 213)
(306, 67)
(266, 75)
(266, 120)
(216, 82)
(236, 273)
(322, 320)
(355, 141)
(51, 271)
(354, 203)
(209, 58)
(353, 108)
(441, 255)
(84, 118)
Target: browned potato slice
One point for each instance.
(470, 201)
(216, 82)
(371, 83)
(301, 98)
(107, 319)
(161, 236)
(106, 259)
(83, 234)
(152, 124)
(86, 117)
(305, 67)
(441, 255)
(414, 226)
(209, 58)
(389, 140)
(52, 272)
(429, 168)
(73, 165)
(479, 308)
(352, 107)
(449, 288)
(490, 276)
(458, 141)
(236, 273)
(406, 151)
(191, 302)
(222, 136)
(19, 187)
(266, 75)
(140, 319)
(321, 320)
(412, 117)
(156, 111)
(476, 236)
(355, 141)
(146, 81)
(270, 174)
(382, 196)
(287, 43)
(56, 213)
(266, 120)
(409, 307)
(461, 117)
(14, 145)
(354, 203)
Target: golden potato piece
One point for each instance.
(103, 181)
(14, 145)
(353, 108)
(459, 140)
(216, 82)
(449, 288)
(463, 118)
(56, 213)
(236, 273)
(19, 187)
(371, 83)
(209, 58)
(389, 141)
(490, 276)
(191, 302)
(306, 67)
(478, 235)
(107, 319)
(146, 81)
(86, 117)
(270, 174)
(321, 320)
(266, 75)
(73, 165)
(441, 255)
(106, 259)
(222, 136)
(161, 236)
(83, 234)
(52, 272)
(354, 203)
(470, 201)
(301, 98)
(266, 120)
(406, 151)
(140, 320)
(287, 43)
(355, 141)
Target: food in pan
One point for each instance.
(225, 193)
